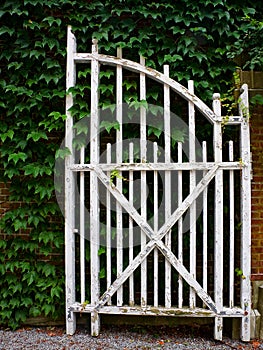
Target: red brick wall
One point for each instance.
(257, 193)
(4, 203)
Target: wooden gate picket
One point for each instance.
(156, 238)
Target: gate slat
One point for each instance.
(180, 225)
(219, 232)
(167, 143)
(119, 234)
(131, 257)
(82, 228)
(143, 138)
(108, 228)
(205, 218)
(231, 228)
(191, 112)
(155, 225)
(94, 200)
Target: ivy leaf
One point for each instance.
(31, 169)
(62, 153)
(129, 84)
(178, 136)
(48, 270)
(155, 131)
(51, 21)
(9, 134)
(82, 126)
(101, 251)
(37, 135)
(110, 125)
(138, 104)
(20, 315)
(102, 273)
(56, 292)
(58, 115)
(83, 74)
(15, 157)
(106, 88)
(34, 311)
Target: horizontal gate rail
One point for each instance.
(159, 311)
(158, 166)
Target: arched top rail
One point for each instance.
(148, 71)
(152, 73)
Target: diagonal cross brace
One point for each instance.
(156, 238)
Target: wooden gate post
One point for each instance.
(245, 214)
(70, 192)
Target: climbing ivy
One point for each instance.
(199, 40)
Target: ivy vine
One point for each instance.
(199, 40)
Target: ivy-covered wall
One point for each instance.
(197, 39)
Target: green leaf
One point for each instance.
(101, 251)
(56, 292)
(9, 134)
(34, 311)
(155, 131)
(20, 315)
(110, 125)
(257, 99)
(37, 135)
(48, 309)
(48, 270)
(62, 153)
(15, 157)
(51, 21)
(102, 273)
(83, 74)
(129, 84)
(138, 104)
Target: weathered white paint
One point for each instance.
(82, 228)
(155, 75)
(180, 223)
(158, 166)
(156, 239)
(118, 179)
(245, 214)
(205, 218)
(218, 213)
(192, 157)
(231, 228)
(94, 188)
(168, 188)
(143, 149)
(131, 198)
(155, 226)
(108, 228)
(160, 311)
(70, 190)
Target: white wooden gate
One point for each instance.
(177, 287)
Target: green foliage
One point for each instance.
(197, 39)
(248, 47)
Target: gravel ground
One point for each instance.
(113, 337)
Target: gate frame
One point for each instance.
(97, 305)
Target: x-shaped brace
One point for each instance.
(156, 238)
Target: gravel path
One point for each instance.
(120, 338)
